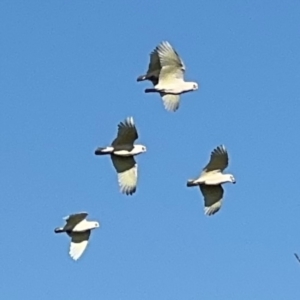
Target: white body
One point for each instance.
(85, 225)
(137, 149)
(213, 178)
(176, 87)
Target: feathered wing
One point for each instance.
(153, 69)
(126, 168)
(171, 102)
(172, 65)
(213, 195)
(79, 242)
(127, 133)
(74, 219)
(218, 160)
(169, 57)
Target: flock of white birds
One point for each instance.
(166, 72)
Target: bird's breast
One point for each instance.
(124, 153)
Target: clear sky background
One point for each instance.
(68, 77)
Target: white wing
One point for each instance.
(211, 210)
(128, 180)
(218, 160)
(169, 57)
(79, 242)
(126, 168)
(213, 195)
(171, 102)
(173, 67)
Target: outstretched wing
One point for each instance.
(79, 242)
(154, 67)
(213, 195)
(218, 160)
(127, 133)
(74, 219)
(126, 168)
(171, 102)
(171, 63)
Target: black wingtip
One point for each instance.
(297, 257)
(131, 192)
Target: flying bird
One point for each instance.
(122, 152)
(79, 229)
(166, 72)
(211, 180)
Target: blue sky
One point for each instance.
(68, 76)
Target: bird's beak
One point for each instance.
(234, 182)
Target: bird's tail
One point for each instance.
(104, 150)
(141, 78)
(191, 183)
(151, 91)
(59, 230)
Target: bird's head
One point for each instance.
(189, 86)
(96, 224)
(140, 149)
(195, 86)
